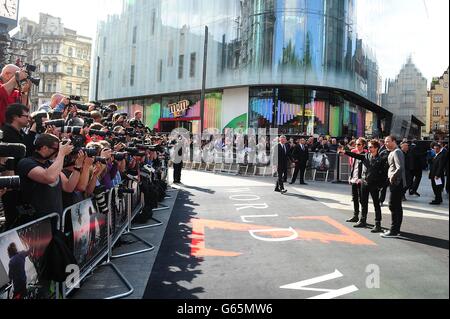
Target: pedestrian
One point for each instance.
(374, 175)
(408, 167)
(397, 182)
(418, 164)
(437, 176)
(300, 156)
(355, 179)
(280, 158)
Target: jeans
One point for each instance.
(356, 194)
(367, 190)
(396, 208)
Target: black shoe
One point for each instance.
(361, 224)
(303, 184)
(291, 183)
(377, 229)
(390, 234)
(283, 191)
(354, 219)
(435, 203)
(404, 199)
(277, 190)
(417, 194)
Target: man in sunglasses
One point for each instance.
(42, 178)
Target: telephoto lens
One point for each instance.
(56, 123)
(90, 152)
(101, 160)
(72, 130)
(10, 182)
(17, 151)
(98, 133)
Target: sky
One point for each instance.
(395, 29)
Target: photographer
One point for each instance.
(9, 88)
(76, 163)
(18, 119)
(42, 179)
(57, 104)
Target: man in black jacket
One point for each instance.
(280, 159)
(300, 156)
(17, 119)
(418, 163)
(437, 174)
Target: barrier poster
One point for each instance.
(89, 232)
(21, 256)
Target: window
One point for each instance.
(70, 52)
(170, 58)
(181, 66)
(436, 126)
(435, 112)
(87, 73)
(54, 86)
(133, 68)
(134, 34)
(438, 98)
(70, 70)
(193, 64)
(49, 86)
(79, 54)
(160, 67)
(69, 88)
(57, 48)
(55, 67)
(78, 90)
(46, 68)
(446, 112)
(153, 21)
(79, 71)
(85, 91)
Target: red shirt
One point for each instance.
(6, 100)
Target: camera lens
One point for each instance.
(10, 182)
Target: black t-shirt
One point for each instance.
(45, 199)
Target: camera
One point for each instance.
(120, 156)
(134, 151)
(84, 114)
(29, 69)
(38, 118)
(10, 182)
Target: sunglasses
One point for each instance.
(359, 144)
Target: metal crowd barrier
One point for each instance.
(338, 169)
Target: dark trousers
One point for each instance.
(383, 193)
(409, 182)
(417, 178)
(367, 190)
(10, 202)
(282, 176)
(299, 168)
(437, 190)
(396, 208)
(177, 172)
(356, 195)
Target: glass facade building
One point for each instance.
(296, 65)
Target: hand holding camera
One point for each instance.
(65, 148)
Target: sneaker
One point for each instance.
(283, 191)
(390, 234)
(361, 224)
(377, 229)
(417, 194)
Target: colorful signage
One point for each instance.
(179, 109)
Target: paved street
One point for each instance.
(233, 237)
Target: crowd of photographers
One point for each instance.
(67, 152)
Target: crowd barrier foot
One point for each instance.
(156, 224)
(161, 208)
(122, 278)
(137, 252)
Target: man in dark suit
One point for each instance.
(300, 156)
(437, 174)
(280, 159)
(383, 192)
